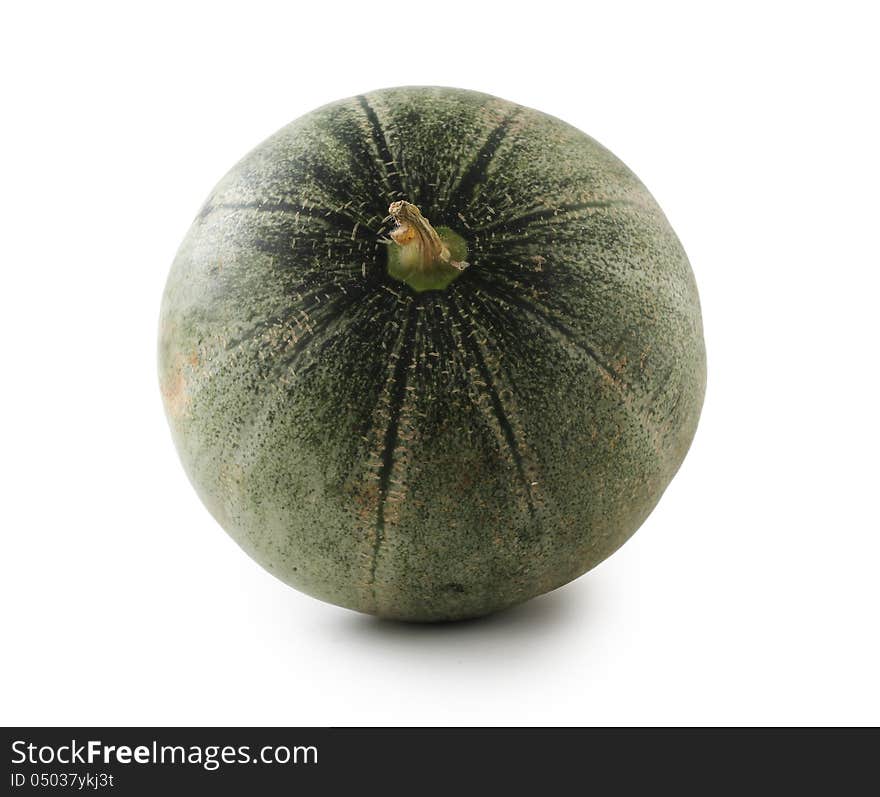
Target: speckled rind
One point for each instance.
(438, 455)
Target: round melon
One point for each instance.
(427, 354)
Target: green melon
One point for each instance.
(443, 411)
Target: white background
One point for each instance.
(751, 594)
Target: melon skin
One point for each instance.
(445, 454)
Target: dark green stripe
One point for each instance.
(498, 293)
(332, 217)
(497, 406)
(476, 173)
(521, 223)
(392, 436)
(389, 164)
